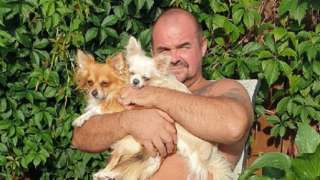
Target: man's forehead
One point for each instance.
(174, 30)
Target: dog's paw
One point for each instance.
(105, 175)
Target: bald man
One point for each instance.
(218, 112)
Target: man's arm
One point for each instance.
(153, 128)
(222, 114)
(97, 134)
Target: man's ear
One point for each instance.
(133, 47)
(204, 46)
(117, 62)
(162, 63)
(83, 59)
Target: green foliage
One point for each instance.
(38, 99)
(305, 166)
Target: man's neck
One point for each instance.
(195, 83)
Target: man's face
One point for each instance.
(179, 40)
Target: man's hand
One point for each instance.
(146, 96)
(153, 128)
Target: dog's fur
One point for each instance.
(202, 157)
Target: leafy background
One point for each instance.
(275, 41)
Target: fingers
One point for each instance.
(168, 140)
(170, 128)
(157, 142)
(150, 148)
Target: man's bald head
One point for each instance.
(174, 14)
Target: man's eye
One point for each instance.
(90, 82)
(163, 51)
(104, 84)
(186, 46)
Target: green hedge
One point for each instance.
(276, 43)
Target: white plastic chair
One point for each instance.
(252, 86)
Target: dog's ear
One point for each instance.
(133, 47)
(162, 63)
(84, 59)
(117, 62)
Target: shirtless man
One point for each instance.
(219, 111)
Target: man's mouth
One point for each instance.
(176, 68)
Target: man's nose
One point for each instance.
(175, 57)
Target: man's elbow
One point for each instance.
(238, 130)
(81, 142)
(76, 139)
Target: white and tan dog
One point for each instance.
(201, 156)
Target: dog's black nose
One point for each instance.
(94, 93)
(136, 81)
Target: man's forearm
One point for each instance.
(202, 116)
(97, 134)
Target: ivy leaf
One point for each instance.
(251, 47)
(36, 161)
(91, 34)
(118, 11)
(300, 12)
(270, 43)
(5, 124)
(248, 19)
(273, 120)
(3, 160)
(26, 160)
(279, 32)
(111, 32)
(316, 67)
(288, 52)
(270, 71)
(50, 92)
(40, 44)
(20, 115)
(282, 105)
(273, 159)
(145, 37)
(3, 105)
(307, 138)
(139, 4)
(75, 24)
(3, 148)
(109, 20)
(286, 6)
(285, 68)
(149, 4)
(317, 30)
(307, 166)
(48, 8)
(237, 15)
(217, 6)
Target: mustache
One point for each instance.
(179, 63)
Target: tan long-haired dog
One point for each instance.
(102, 84)
(201, 156)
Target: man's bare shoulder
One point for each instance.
(221, 87)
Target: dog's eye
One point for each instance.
(90, 82)
(104, 83)
(131, 73)
(146, 78)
